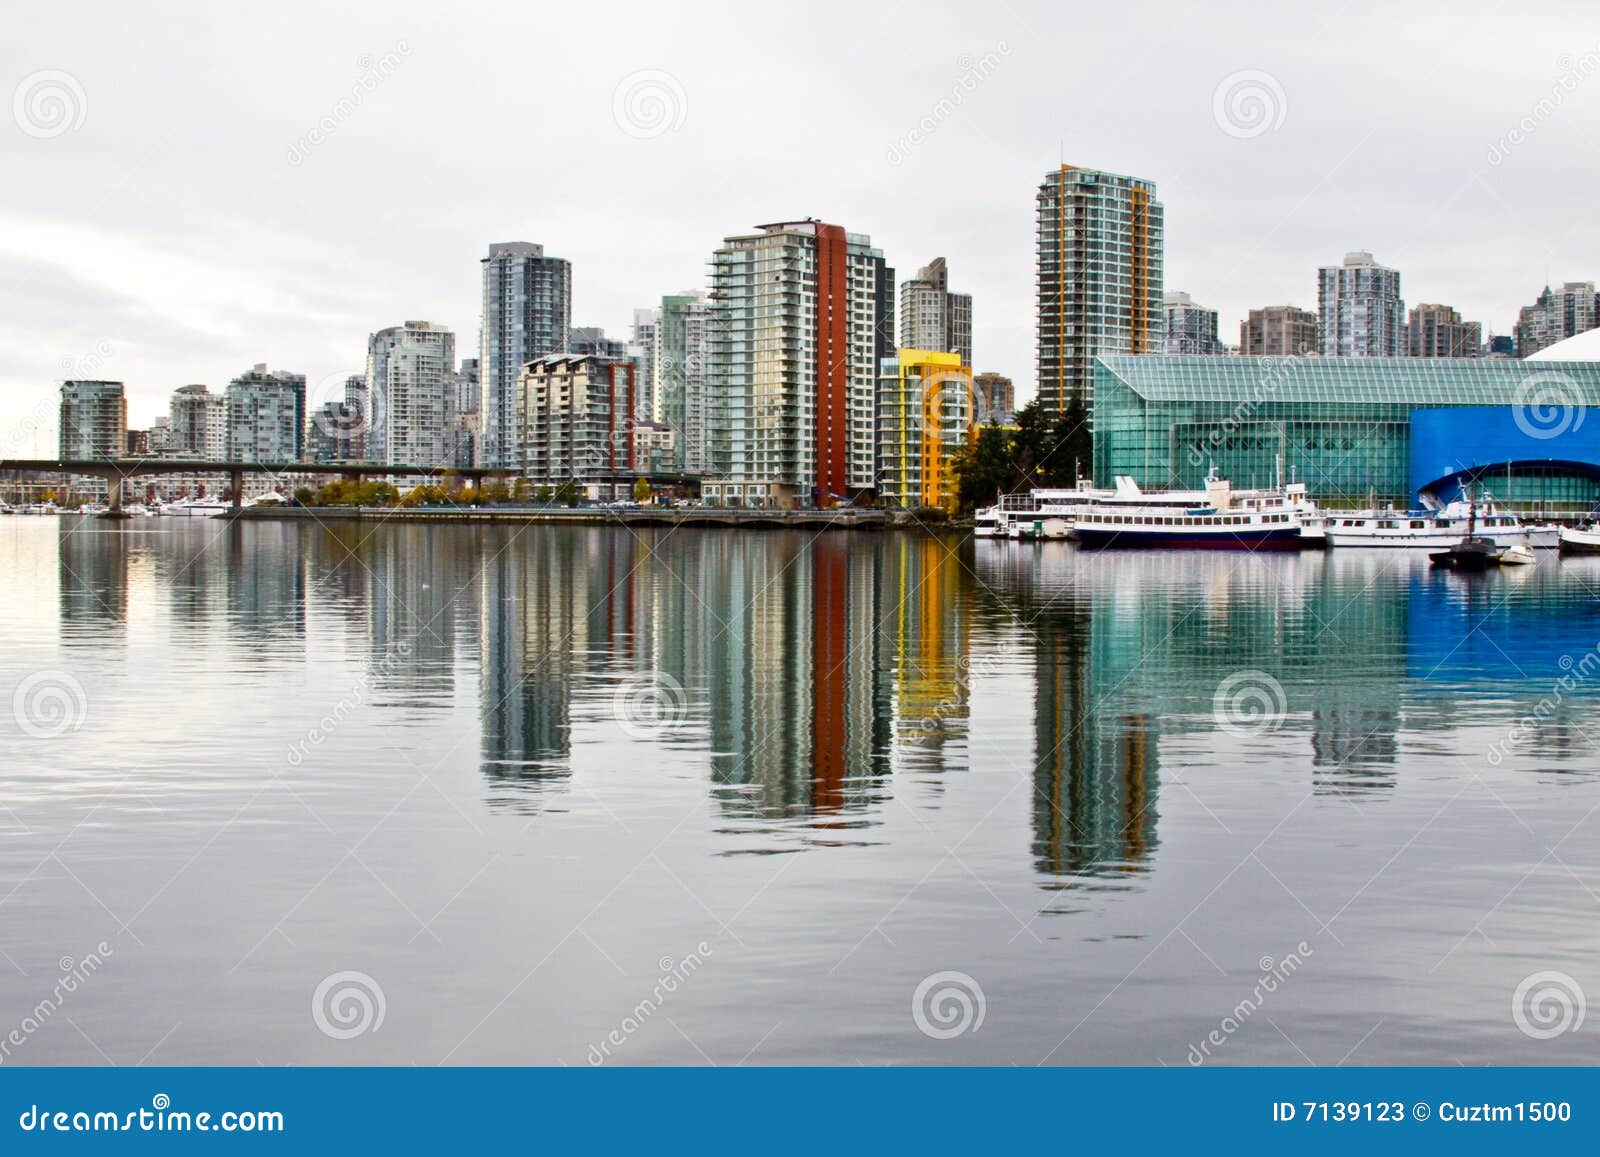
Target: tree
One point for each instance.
(641, 490)
(304, 496)
(569, 493)
(984, 469)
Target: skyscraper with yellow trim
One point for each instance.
(926, 413)
(1100, 241)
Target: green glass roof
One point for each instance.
(1398, 381)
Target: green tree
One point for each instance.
(985, 469)
(641, 490)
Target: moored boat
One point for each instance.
(1583, 539)
(1434, 528)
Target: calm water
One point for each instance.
(733, 798)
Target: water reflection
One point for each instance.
(821, 678)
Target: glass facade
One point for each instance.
(1346, 426)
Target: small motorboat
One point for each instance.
(1475, 552)
(1583, 539)
(1518, 554)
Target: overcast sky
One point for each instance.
(173, 217)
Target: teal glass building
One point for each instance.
(1357, 431)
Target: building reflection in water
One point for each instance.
(816, 674)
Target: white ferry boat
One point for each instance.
(1216, 518)
(1437, 528)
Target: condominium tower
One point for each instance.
(1557, 315)
(1279, 331)
(1437, 331)
(683, 354)
(933, 318)
(199, 424)
(411, 388)
(265, 416)
(1100, 238)
(527, 312)
(1191, 327)
(94, 420)
(1359, 309)
(797, 321)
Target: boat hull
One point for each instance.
(1580, 542)
(1187, 538)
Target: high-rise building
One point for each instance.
(1191, 327)
(334, 435)
(469, 398)
(411, 393)
(94, 420)
(1437, 331)
(1557, 315)
(795, 329)
(1280, 331)
(199, 425)
(925, 415)
(591, 341)
(1360, 312)
(996, 397)
(1100, 242)
(575, 420)
(643, 349)
(933, 318)
(683, 351)
(265, 416)
(527, 312)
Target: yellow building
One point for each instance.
(925, 415)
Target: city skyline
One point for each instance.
(157, 309)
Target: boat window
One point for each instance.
(1418, 524)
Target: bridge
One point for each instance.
(117, 471)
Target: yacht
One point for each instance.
(986, 522)
(39, 508)
(196, 508)
(1436, 527)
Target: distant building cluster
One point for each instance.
(802, 374)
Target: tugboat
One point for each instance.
(1475, 552)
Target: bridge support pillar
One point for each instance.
(114, 492)
(237, 478)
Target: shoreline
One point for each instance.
(697, 516)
